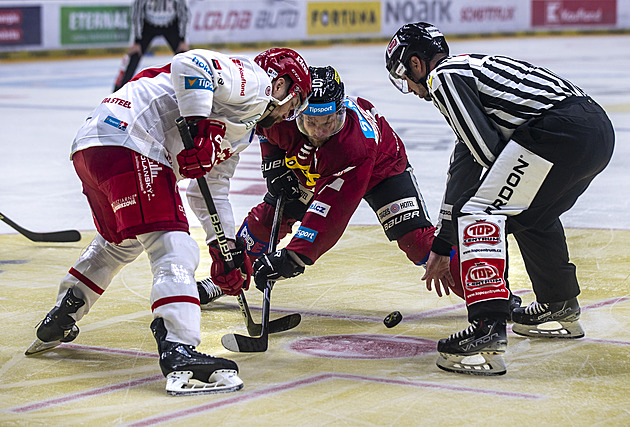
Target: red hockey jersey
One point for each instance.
(364, 152)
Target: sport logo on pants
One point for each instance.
(482, 232)
(482, 254)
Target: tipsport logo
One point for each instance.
(306, 234)
(119, 124)
(191, 82)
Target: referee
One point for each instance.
(150, 19)
(529, 143)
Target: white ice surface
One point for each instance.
(42, 104)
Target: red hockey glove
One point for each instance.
(231, 282)
(207, 135)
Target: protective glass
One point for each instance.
(397, 77)
(301, 105)
(320, 126)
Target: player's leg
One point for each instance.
(90, 276)
(174, 257)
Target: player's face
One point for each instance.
(319, 129)
(287, 109)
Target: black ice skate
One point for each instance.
(550, 320)
(475, 350)
(58, 326)
(208, 292)
(188, 371)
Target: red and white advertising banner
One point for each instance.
(573, 13)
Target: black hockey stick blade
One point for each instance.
(242, 344)
(53, 236)
(281, 324)
(278, 325)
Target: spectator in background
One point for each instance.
(151, 18)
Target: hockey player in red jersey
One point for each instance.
(339, 151)
(129, 156)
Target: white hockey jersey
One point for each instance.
(141, 116)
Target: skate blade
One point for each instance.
(39, 346)
(553, 329)
(179, 383)
(477, 364)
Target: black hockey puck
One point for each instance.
(392, 319)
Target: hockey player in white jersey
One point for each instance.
(129, 157)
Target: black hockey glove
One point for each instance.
(276, 266)
(280, 178)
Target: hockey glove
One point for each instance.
(280, 178)
(231, 282)
(207, 135)
(282, 264)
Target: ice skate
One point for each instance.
(208, 292)
(58, 326)
(551, 320)
(188, 371)
(476, 350)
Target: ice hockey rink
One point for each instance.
(341, 365)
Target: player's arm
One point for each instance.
(275, 171)
(194, 82)
(336, 198)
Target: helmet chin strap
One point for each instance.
(270, 107)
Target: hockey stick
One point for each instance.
(241, 343)
(53, 236)
(184, 133)
(278, 325)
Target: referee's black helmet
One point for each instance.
(419, 39)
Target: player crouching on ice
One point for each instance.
(123, 156)
(337, 152)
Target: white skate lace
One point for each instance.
(536, 308)
(468, 331)
(213, 290)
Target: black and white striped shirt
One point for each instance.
(485, 98)
(160, 13)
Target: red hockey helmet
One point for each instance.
(280, 61)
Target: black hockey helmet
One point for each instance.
(419, 39)
(327, 91)
(326, 112)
